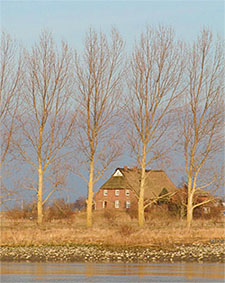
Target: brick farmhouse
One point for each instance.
(121, 190)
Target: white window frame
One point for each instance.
(105, 193)
(127, 204)
(117, 204)
(117, 193)
(206, 210)
(127, 193)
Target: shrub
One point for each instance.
(133, 212)
(80, 204)
(109, 215)
(177, 209)
(28, 211)
(59, 209)
(126, 230)
(157, 212)
(209, 212)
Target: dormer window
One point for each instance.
(105, 193)
(117, 192)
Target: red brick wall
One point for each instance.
(111, 198)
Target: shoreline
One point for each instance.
(201, 252)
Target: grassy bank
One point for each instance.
(110, 230)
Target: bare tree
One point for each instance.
(202, 116)
(99, 82)
(154, 83)
(48, 116)
(10, 85)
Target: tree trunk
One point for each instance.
(182, 211)
(189, 215)
(40, 193)
(90, 195)
(189, 207)
(141, 215)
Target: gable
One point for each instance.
(117, 173)
(116, 181)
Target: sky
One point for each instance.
(69, 20)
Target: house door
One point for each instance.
(104, 204)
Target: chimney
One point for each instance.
(125, 168)
(135, 168)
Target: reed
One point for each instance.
(120, 230)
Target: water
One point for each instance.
(111, 272)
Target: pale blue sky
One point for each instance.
(70, 19)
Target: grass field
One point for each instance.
(117, 229)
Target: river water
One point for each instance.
(111, 272)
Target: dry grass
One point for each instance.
(118, 230)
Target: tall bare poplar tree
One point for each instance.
(154, 83)
(10, 87)
(47, 120)
(202, 115)
(98, 81)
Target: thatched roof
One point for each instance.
(156, 181)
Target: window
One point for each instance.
(117, 192)
(127, 193)
(127, 204)
(105, 193)
(206, 210)
(117, 204)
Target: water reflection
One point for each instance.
(111, 272)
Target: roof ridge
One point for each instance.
(135, 168)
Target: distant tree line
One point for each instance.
(64, 112)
